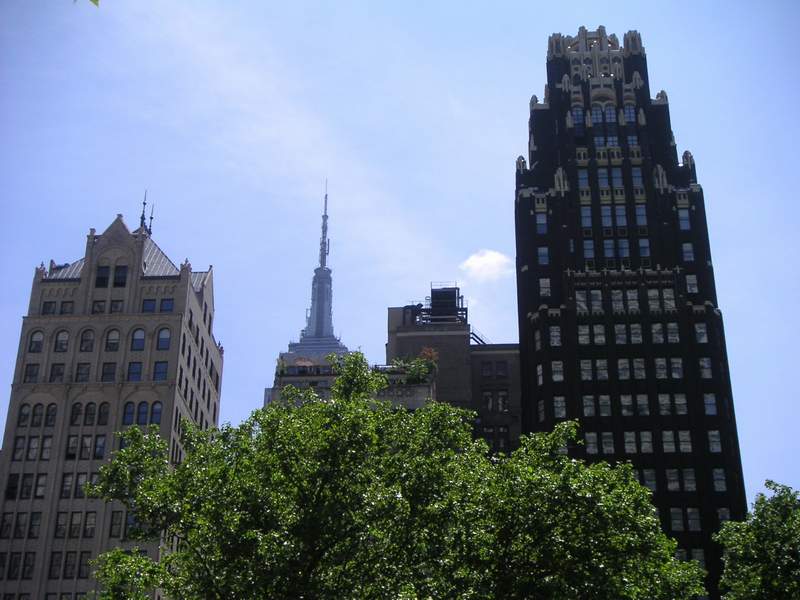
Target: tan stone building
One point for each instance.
(121, 337)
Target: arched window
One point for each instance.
(141, 413)
(75, 415)
(50, 415)
(102, 414)
(38, 415)
(24, 415)
(36, 342)
(87, 341)
(137, 339)
(155, 413)
(163, 339)
(127, 414)
(62, 342)
(597, 114)
(89, 414)
(611, 114)
(112, 341)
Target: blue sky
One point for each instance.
(233, 114)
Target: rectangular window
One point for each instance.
(115, 530)
(148, 305)
(617, 303)
(544, 287)
(657, 333)
(86, 447)
(19, 448)
(557, 369)
(12, 486)
(120, 276)
(605, 216)
(66, 486)
(543, 255)
(49, 308)
(588, 249)
(620, 214)
(72, 447)
(608, 249)
(629, 438)
(591, 442)
(167, 305)
(714, 441)
(720, 485)
(680, 404)
(116, 306)
(541, 223)
(101, 277)
(710, 404)
(646, 442)
(649, 479)
(602, 178)
(623, 248)
(636, 333)
(607, 442)
(26, 489)
(61, 525)
(31, 374)
(109, 372)
(683, 219)
(501, 369)
(599, 141)
(160, 369)
(134, 371)
(540, 410)
(704, 365)
(632, 297)
(555, 335)
(583, 335)
(67, 307)
(583, 182)
(689, 480)
(596, 300)
(581, 304)
(589, 409)
(673, 480)
(98, 307)
(688, 252)
(653, 300)
(99, 447)
(82, 372)
(633, 140)
(605, 405)
(664, 405)
(723, 514)
(661, 368)
(620, 334)
(685, 441)
(54, 571)
(638, 368)
(676, 368)
(642, 405)
(487, 368)
(668, 441)
(559, 407)
(57, 373)
(586, 217)
(599, 334)
(80, 481)
(700, 333)
(539, 375)
(75, 524)
(83, 565)
(616, 181)
(673, 335)
(626, 405)
(69, 565)
(676, 519)
(636, 176)
(623, 368)
(644, 247)
(691, 284)
(641, 215)
(693, 519)
(601, 364)
(669, 298)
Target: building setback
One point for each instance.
(118, 338)
(618, 316)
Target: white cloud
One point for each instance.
(487, 265)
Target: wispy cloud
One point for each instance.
(487, 265)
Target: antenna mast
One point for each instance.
(324, 243)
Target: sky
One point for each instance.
(233, 114)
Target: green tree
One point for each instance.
(761, 555)
(351, 498)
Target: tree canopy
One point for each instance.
(352, 498)
(761, 555)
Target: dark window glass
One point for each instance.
(75, 524)
(112, 341)
(90, 413)
(41, 484)
(86, 447)
(72, 447)
(160, 369)
(83, 565)
(102, 414)
(36, 342)
(69, 565)
(62, 342)
(82, 372)
(79, 483)
(98, 307)
(28, 564)
(149, 305)
(87, 341)
(163, 339)
(38, 415)
(109, 372)
(141, 413)
(34, 525)
(57, 373)
(137, 340)
(75, 414)
(127, 415)
(48, 308)
(134, 371)
(50, 415)
(24, 415)
(101, 278)
(14, 560)
(99, 447)
(167, 305)
(120, 276)
(31, 374)
(89, 524)
(67, 307)
(21, 525)
(26, 489)
(12, 486)
(19, 448)
(115, 530)
(5, 525)
(116, 306)
(155, 413)
(47, 444)
(54, 571)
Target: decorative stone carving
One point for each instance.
(534, 101)
(561, 183)
(521, 164)
(637, 80)
(641, 118)
(662, 97)
(660, 178)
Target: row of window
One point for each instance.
(628, 405)
(641, 442)
(610, 251)
(17, 565)
(67, 307)
(63, 565)
(495, 400)
(622, 300)
(25, 486)
(32, 448)
(61, 341)
(597, 369)
(497, 369)
(23, 525)
(36, 416)
(108, 373)
(89, 413)
(85, 447)
(145, 413)
(497, 437)
(625, 334)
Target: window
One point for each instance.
(683, 219)
(539, 375)
(623, 368)
(720, 485)
(137, 340)
(141, 413)
(586, 370)
(580, 301)
(644, 247)
(668, 441)
(596, 300)
(629, 111)
(689, 480)
(583, 183)
(98, 307)
(605, 216)
(67, 307)
(661, 368)
(69, 565)
(693, 518)
(50, 415)
(160, 369)
(115, 530)
(559, 407)
(583, 335)
(127, 414)
(87, 341)
(578, 120)
(36, 342)
(134, 371)
(502, 406)
(691, 284)
(557, 370)
(541, 223)
(676, 519)
(33, 448)
(589, 409)
(669, 298)
(82, 372)
(636, 333)
(89, 524)
(66, 485)
(617, 302)
(710, 404)
(543, 255)
(544, 287)
(680, 404)
(688, 252)
(599, 141)
(591, 442)
(620, 334)
(62, 342)
(609, 248)
(602, 177)
(80, 481)
(657, 333)
(34, 525)
(109, 373)
(47, 445)
(90, 413)
(112, 341)
(167, 305)
(12, 486)
(588, 249)
(685, 441)
(31, 374)
(48, 308)
(19, 448)
(673, 480)
(623, 248)
(636, 176)
(83, 565)
(653, 300)
(700, 333)
(704, 365)
(607, 442)
(629, 439)
(501, 368)
(605, 405)
(101, 276)
(714, 441)
(102, 414)
(723, 514)
(149, 305)
(597, 114)
(24, 415)
(641, 215)
(646, 442)
(555, 335)
(99, 447)
(616, 181)
(649, 479)
(537, 344)
(36, 420)
(632, 297)
(540, 410)
(116, 306)
(72, 447)
(626, 405)
(676, 368)
(586, 217)
(75, 524)
(86, 447)
(486, 368)
(57, 373)
(599, 334)
(120, 276)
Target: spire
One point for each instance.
(142, 221)
(324, 242)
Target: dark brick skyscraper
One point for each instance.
(618, 317)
